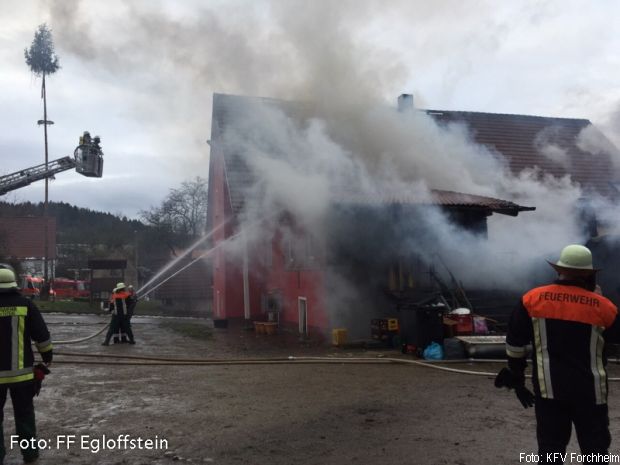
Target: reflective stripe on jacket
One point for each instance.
(565, 325)
(120, 303)
(20, 323)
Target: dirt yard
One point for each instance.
(270, 414)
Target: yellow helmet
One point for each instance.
(7, 279)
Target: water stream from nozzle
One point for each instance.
(142, 293)
(203, 255)
(176, 260)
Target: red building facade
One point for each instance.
(264, 281)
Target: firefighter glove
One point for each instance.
(40, 370)
(525, 396)
(509, 379)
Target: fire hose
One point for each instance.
(77, 341)
(139, 360)
(134, 360)
(146, 360)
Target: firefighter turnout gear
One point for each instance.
(20, 324)
(120, 302)
(567, 325)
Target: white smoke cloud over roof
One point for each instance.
(141, 74)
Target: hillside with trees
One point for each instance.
(160, 233)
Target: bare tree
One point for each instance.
(182, 216)
(43, 61)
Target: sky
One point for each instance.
(142, 73)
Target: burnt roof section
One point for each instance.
(550, 144)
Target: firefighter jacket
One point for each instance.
(20, 323)
(120, 303)
(567, 326)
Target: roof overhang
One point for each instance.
(435, 197)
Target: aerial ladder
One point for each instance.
(87, 160)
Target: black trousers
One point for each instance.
(554, 420)
(23, 407)
(119, 323)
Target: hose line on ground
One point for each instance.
(84, 339)
(136, 360)
(275, 360)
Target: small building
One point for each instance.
(183, 288)
(105, 273)
(22, 239)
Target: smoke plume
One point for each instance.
(326, 56)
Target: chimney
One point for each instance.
(405, 102)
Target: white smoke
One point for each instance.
(301, 166)
(349, 137)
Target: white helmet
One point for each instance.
(575, 259)
(7, 279)
(118, 287)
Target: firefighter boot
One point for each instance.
(129, 333)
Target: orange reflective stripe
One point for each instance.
(570, 303)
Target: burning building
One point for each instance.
(325, 217)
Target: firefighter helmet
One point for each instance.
(575, 259)
(7, 279)
(119, 286)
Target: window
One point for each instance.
(300, 251)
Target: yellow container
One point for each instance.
(392, 324)
(339, 336)
(270, 328)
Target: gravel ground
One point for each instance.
(271, 414)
